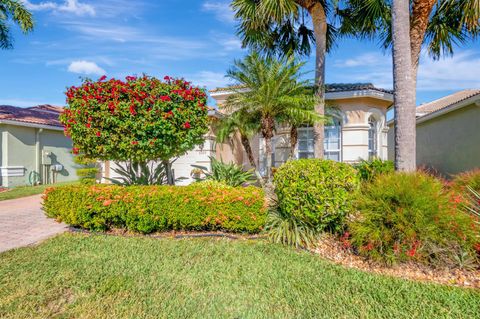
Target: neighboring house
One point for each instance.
(357, 129)
(448, 133)
(33, 147)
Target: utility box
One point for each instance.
(47, 158)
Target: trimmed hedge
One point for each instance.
(317, 192)
(147, 209)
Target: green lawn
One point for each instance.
(23, 191)
(81, 276)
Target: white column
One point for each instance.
(354, 142)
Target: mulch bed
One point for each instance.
(3, 189)
(332, 249)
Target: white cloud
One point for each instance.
(209, 79)
(69, 6)
(221, 9)
(452, 73)
(85, 67)
(447, 74)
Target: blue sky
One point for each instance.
(194, 39)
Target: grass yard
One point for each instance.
(88, 276)
(24, 191)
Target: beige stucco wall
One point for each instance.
(450, 143)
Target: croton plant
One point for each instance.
(138, 119)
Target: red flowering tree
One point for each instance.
(137, 120)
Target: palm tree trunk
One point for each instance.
(404, 90)
(248, 149)
(293, 141)
(267, 128)
(319, 20)
(421, 10)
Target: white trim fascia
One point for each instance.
(33, 125)
(359, 93)
(329, 95)
(472, 100)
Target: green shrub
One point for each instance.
(316, 192)
(147, 209)
(470, 179)
(88, 169)
(228, 173)
(368, 170)
(406, 216)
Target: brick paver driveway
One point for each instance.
(22, 223)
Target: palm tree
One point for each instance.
(435, 24)
(404, 90)
(244, 124)
(280, 27)
(13, 10)
(271, 91)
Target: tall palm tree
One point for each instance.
(271, 90)
(13, 10)
(404, 90)
(281, 27)
(435, 24)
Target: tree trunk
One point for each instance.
(404, 91)
(168, 170)
(319, 20)
(268, 127)
(421, 10)
(248, 149)
(293, 141)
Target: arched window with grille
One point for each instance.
(372, 137)
(332, 143)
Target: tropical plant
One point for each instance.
(368, 170)
(246, 125)
(410, 216)
(280, 27)
(17, 12)
(438, 25)
(139, 173)
(283, 228)
(228, 173)
(271, 89)
(467, 179)
(137, 120)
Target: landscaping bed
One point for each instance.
(87, 276)
(332, 249)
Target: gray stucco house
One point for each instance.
(34, 149)
(448, 133)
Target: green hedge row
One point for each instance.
(147, 209)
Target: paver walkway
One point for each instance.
(23, 223)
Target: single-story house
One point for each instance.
(33, 148)
(358, 129)
(448, 133)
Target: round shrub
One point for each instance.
(410, 216)
(316, 192)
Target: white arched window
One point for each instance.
(372, 137)
(332, 143)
